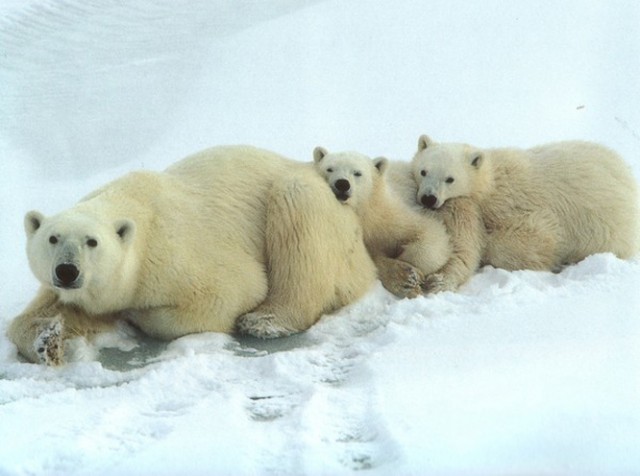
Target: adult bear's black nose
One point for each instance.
(429, 201)
(342, 185)
(66, 274)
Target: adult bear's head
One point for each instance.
(80, 257)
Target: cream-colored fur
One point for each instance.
(232, 238)
(540, 208)
(393, 233)
(461, 218)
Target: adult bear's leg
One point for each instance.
(42, 331)
(316, 259)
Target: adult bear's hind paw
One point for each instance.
(263, 325)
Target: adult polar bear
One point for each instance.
(229, 238)
(540, 208)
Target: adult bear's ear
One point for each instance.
(381, 163)
(32, 222)
(476, 159)
(126, 229)
(424, 141)
(319, 153)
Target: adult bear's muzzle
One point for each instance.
(67, 276)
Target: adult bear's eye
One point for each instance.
(53, 240)
(450, 180)
(92, 243)
(329, 170)
(423, 173)
(357, 174)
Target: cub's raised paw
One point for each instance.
(437, 283)
(49, 345)
(263, 325)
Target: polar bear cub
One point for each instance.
(392, 230)
(540, 208)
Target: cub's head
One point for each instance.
(351, 176)
(77, 255)
(444, 171)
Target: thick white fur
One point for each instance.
(540, 208)
(394, 233)
(229, 238)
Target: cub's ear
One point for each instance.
(381, 163)
(126, 229)
(476, 159)
(319, 153)
(424, 141)
(32, 221)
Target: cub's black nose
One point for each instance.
(342, 185)
(429, 201)
(66, 274)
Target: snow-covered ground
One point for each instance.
(518, 373)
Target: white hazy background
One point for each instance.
(517, 373)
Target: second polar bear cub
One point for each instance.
(391, 229)
(539, 208)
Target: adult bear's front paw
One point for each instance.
(49, 344)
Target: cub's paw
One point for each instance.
(402, 279)
(437, 283)
(262, 324)
(49, 344)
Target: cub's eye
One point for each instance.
(357, 173)
(329, 170)
(423, 173)
(450, 180)
(53, 240)
(92, 242)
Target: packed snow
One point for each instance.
(517, 373)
